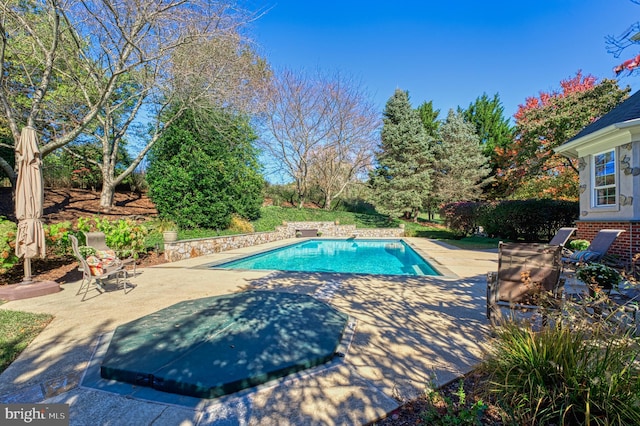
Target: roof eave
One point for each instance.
(570, 149)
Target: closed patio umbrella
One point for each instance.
(30, 240)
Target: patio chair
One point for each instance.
(524, 274)
(98, 241)
(597, 249)
(559, 239)
(98, 271)
(562, 236)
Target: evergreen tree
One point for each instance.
(429, 118)
(460, 168)
(401, 182)
(492, 128)
(205, 169)
(487, 116)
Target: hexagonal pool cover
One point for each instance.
(219, 345)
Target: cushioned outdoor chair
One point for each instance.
(599, 246)
(98, 270)
(98, 241)
(525, 273)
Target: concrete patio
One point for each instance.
(406, 334)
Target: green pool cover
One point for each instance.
(219, 345)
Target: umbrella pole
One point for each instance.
(27, 271)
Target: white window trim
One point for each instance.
(594, 198)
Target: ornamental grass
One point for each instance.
(582, 368)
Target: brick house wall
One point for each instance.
(625, 246)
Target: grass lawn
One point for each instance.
(17, 330)
(474, 243)
(273, 216)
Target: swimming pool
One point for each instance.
(391, 257)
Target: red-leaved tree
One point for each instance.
(529, 168)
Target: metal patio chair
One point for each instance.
(596, 251)
(525, 272)
(98, 240)
(98, 271)
(562, 236)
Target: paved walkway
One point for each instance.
(406, 334)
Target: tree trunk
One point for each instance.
(8, 170)
(108, 186)
(106, 195)
(327, 201)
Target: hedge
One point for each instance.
(513, 220)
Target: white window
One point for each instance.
(604, 179)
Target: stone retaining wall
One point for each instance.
(185, 249)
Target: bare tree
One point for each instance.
(223, 72)
(617, 44)
(321, 131)
(98, 48)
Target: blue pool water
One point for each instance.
(392, 257)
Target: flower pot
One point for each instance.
(170, 236)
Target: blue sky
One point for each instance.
(448, 52)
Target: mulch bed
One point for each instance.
(69, 204)
(410, 413)
(61, 204)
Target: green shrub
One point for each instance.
(8, 256)
(583, 372)
(599, 275)
(204, 169)
(462, 218)
(527, 220)
(57, 238)
(578, 245)
(85, 177)
(354, 205)
(137, 182)
(123, 235)
(55, 173)
(160, 225)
